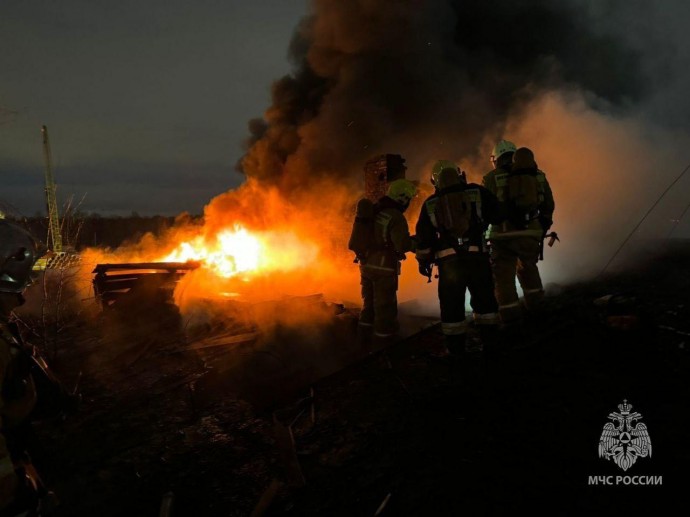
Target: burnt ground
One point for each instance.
(518, 431)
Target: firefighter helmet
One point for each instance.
(501, 148)
(402, 191)
(19, 250)
(449, 177)
(440, 166)
(524, 159)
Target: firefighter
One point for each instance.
(515, 243)
(450, 233)
(380, 265)
(18, 253)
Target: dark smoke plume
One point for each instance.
(377, 76)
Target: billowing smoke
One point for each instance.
(426, 78)
(595, 87)
(581, 82)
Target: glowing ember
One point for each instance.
(237, 251)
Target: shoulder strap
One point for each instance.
(430, 206)
(383, 220)
(474, 196)
(541, 185)
(501, 184)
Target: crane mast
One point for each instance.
(54, 236)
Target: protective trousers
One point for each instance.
(456, 273)
(511, 257)
(8, 479)
(380, 301)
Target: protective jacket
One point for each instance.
(17, 400)
(380, 267)
(496, 181)
(463, 261)
(434, 242)
(391, 238)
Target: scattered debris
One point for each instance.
(671, 329)
(167, 505)
(267, 498)
(619, 312)
(383, 505)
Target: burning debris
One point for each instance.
(114, 284)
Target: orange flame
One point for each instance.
(238, 252)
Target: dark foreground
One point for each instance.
(397, 432)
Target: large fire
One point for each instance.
(254, 245)
(237, 252)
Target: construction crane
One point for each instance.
(57, 257)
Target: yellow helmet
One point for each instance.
(401, 191)
(501, 148)
(440, 166)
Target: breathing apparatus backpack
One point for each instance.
(522, 195)
(453, 210)
(362, 236)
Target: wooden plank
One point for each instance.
(167, 266)
(225, 341)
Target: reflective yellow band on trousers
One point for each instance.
(532, 291)
(454, 329)
(489, 318)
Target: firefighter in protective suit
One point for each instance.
(18, 252)
(524, 190)
(20, 487)
(450, 233)
(380, 266)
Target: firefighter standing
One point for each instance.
(18, 253)
(450, 233)
(515, 243)
(380, 265)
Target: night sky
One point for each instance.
(146, 103)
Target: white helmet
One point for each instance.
(501, 148)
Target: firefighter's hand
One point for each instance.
(425, 269)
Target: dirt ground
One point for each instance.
(397, 432)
